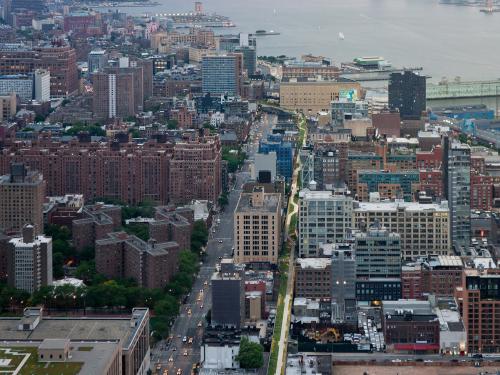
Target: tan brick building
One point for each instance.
(257, 227)
(22, 193)
(311, 96)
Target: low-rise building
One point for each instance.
(313, 278)
(410, 326)
(104, 346)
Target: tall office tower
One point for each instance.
(343, 283)
(378, 264)
(378, 253)
(221, 74)
(22, 193)
(97, 60)
(29, 260)
(323, 218)
(42, 85)
(257, 228)
(407, 94)
(60, 60)
(479, 302)
(113, 95)
(249, 58)
(228, 296)
(195, 172)
(456, 168)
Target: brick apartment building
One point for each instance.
(430, 159)
(479, 302)
(58, 58)
(130, 173)
(150, 263)
(172, 225)
(195, 171)
(95, 223)
(481, 192)
(438, 275)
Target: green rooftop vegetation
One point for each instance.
(31, 366)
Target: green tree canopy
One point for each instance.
(250, 355)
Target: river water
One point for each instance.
(446, 40)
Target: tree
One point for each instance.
(168, 307)
(138, 229)
(223, 200)
(250, 355)
(172, 124)
(199, 236)
(57, 265)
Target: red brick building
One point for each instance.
(388, 123)
(431, 181)
(479, 303)
(195, 171)
(438, 275)
(130, 173)
(430, 159)
(83, 24)
(185, 117)
(172, 225)
(95, 223)
(478, 164)
(60, 60)
(150, 263)
(481, 196)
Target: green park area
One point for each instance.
(16, 356)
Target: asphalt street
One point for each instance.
(176, 355)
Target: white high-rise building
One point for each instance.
(42, 85)
(323, 218)
(30, 261)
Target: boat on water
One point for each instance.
(264, 32)
(341, 36)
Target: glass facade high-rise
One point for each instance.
(407, 94)
(456, 168)
(221, 74)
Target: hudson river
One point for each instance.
(445, 40)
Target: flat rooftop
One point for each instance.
(75, 329)
(270, 204)
(314, 263)
(408, 206)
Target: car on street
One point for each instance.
(205, 283)
(190, 341)
(171, 359)
(165, 372)
(179, 371)
(201, 306)
(220, 241)
(200, 323)
(189, 311)
(185, 353)
(184, 339)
